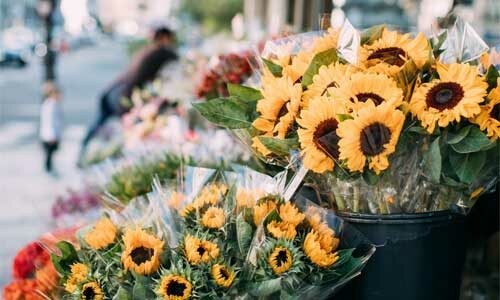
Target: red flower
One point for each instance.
(25, 289)
(28, 260)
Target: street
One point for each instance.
(27, 192)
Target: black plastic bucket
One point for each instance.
(419, 256)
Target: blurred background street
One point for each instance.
(27, 193)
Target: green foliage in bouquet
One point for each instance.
(135, 180)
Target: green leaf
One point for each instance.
(243, 234)
(122, 294)
(279, 146)
(433, 162)
(275, 69)
(475, 141)
(406, 78)
(491, 77)
(372, 34)
(417, 129)
(467, 166)
(265, 288)
(455, 137)
(343, 117)
(436, 44)
(321, 59)
(141, 290)
(370, 177)
(68, 256)
(244, 92)
(231, 112)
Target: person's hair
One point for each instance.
(163, 32)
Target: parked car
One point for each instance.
(12, 59)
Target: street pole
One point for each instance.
(46, 11)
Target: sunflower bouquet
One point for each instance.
(196, 243)
(387, 122)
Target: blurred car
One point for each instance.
(12, 59)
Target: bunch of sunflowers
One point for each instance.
(392, 128)
(232, 242)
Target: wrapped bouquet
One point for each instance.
(387, 122)
(219, 236)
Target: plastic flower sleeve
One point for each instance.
(301, 251)
(462, 44)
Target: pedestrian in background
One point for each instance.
(143, 68)
(50, 123)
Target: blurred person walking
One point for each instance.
(50, 123)
(143, 68)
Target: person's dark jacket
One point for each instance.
(144, 67)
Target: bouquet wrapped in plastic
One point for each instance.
(200, 241)
(387, 122)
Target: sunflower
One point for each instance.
(78, 274)
(176, 199)
(300, 62)
(222, 275)
(488, 59)
(210, 195)
(368, 87)
(213, 218)
(298, 66)
(198, 251)
(103, 234)
(187, 209)
(281, 230)
(289, 213)
(327, 237)
(92, 291)
(247, 197)
(327, 41)
(279, 107)
(372, 135)
(392, 50)
(174, 287)
(489, 118)
(259, 146)
(261, 211)
(328, 77)
(316, 253)
(280, 260)
(319, 121)
(457, 93)
(142, 251)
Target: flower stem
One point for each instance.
(355, 198)
(338, 198)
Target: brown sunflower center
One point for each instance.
(363, 97)
(444, 95)
(332, 84)
(391, 55)
(373, 138)
(495, 112)
(281, 258)
(88, 293)
(176, 288)
(141, 254)
(201, 250)
(326, 138)
(224, 273)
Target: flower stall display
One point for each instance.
(233, 68)
(76, 207)
(212, 251)
(398, 132)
